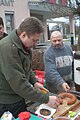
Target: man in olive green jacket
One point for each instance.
(17, 81)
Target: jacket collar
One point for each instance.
(16, 40)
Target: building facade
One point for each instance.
(14, 11)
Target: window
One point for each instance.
(59, 1)
(9, 17)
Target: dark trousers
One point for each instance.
(14, 108)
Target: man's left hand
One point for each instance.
(40, 87)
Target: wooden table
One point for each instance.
(64, 109)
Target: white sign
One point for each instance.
(6, 2)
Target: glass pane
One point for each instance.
(9, 22)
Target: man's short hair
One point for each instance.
(30, 25)
(1, 21)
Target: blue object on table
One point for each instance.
(33, 117)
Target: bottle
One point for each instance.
(24, 115)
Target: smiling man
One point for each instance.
(2, 33)
(17, 81)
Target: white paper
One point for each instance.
(44, 106)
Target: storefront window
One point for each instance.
(58, 1)
(9, 17)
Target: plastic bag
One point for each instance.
(7, 116)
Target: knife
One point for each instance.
(50, 93)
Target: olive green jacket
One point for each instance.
(16, 76)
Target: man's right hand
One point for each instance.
(53, 102)
(65, 87)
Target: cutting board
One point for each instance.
(64, 109)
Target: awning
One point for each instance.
(50, 10)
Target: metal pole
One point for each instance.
(72, 39)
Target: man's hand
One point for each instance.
(65, 87)
(53, 102)
(39, 87)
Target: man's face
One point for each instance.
(1, 31)
(57, 41)
(31, 41)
